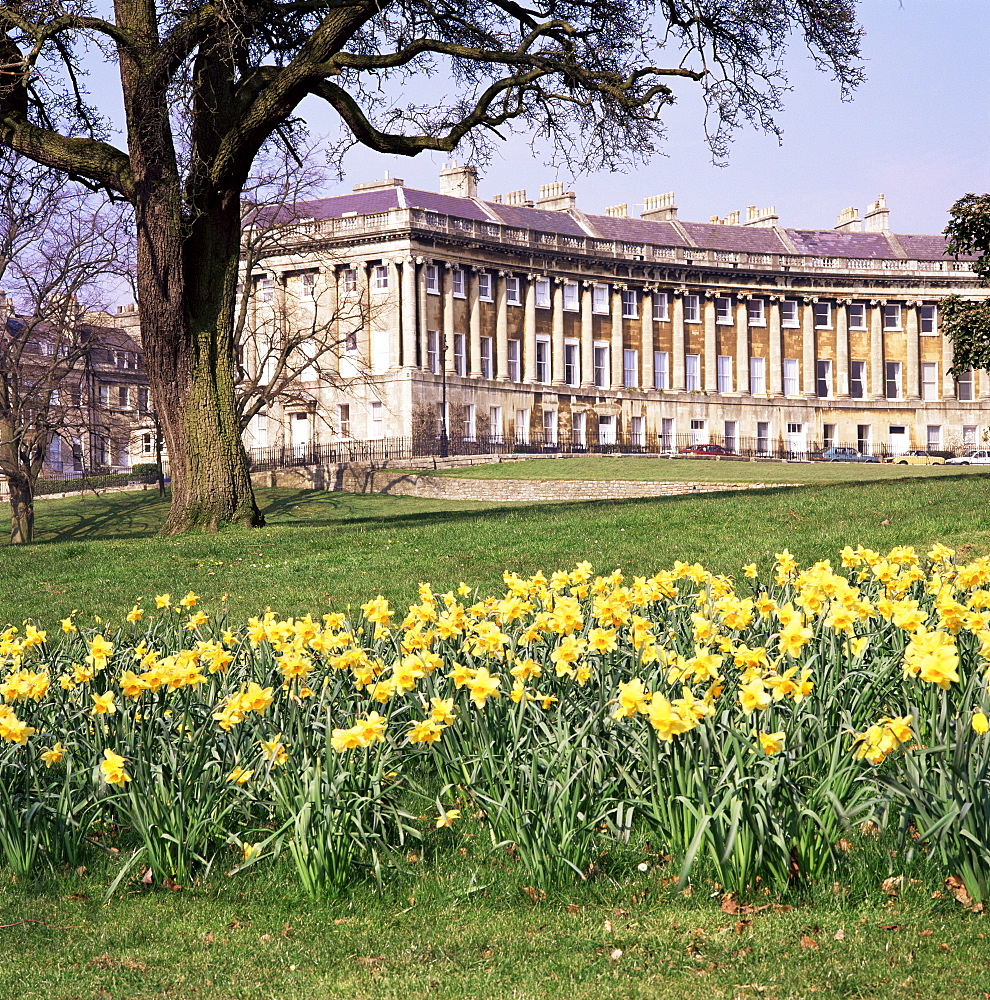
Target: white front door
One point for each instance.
(898, 440)
(797, 441)
(299, 429)
(606, 429)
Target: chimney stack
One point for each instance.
(659, 208)
(553, 198)
(618, 211)
(849, 221)
(518, 198)
(762, 218)
(387, 182)
(877, 217)
(461, 182)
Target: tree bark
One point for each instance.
(21, 509)
(188, 246)
(186, 289)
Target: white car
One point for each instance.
(973, 458)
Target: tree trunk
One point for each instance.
(186, 288)
(188, 247)
(21, 509)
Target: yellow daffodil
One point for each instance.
(447, 817)
(54, 755)
(103, 704)
(112, 767)
(771, 743)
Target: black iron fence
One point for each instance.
(398, 449)
(395, 449)
(78, 482)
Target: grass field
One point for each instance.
(228, 941)
(469, 928)
(335, 549)
(640, 468)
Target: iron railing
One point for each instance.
(397, 449)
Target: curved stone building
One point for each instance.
(508, 321)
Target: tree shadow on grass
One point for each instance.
(103, 516)
(124, 516)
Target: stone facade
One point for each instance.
(509, 320)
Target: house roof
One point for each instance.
(706, 236)
(536, 218)
(637, 230)
(831, 243)
(748, 239)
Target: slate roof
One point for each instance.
(707, 236)
(445, 204)
(364, 202)
(536, 218)
(830, 243)
(927, 247)
(637, 230)
(748, 239)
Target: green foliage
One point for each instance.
(144, 469)
(968, 231)
(967, 323)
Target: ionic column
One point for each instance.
(877, 388)
(842, 348)
(421, 305)
(617, 341)
(775, 376)
(474, 323)
(391, 317)
(742, 347)
(677, 347)
(501, 329)
(557, 334)
(407, 313)
(808, 348)
(912, 380)
(948, 382)
(529, 331)
(709, 360)
(646, 340)
(587, 337)
(330, 361)
(448, 319)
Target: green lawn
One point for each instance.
(439, 939)
(657, 468)
(465, 927)
(332, 549)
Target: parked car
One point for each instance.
(917, 456)
(707, 451)
(972, 458)
(841, 453)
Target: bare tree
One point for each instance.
(292, 330)
(58, 245)
(206, 83)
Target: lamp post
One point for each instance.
(444, 439)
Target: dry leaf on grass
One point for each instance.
(957, 887)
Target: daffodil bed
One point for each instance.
(745, 727)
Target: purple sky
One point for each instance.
(917, 131)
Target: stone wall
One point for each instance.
(364, 479)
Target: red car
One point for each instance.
(702, 450)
